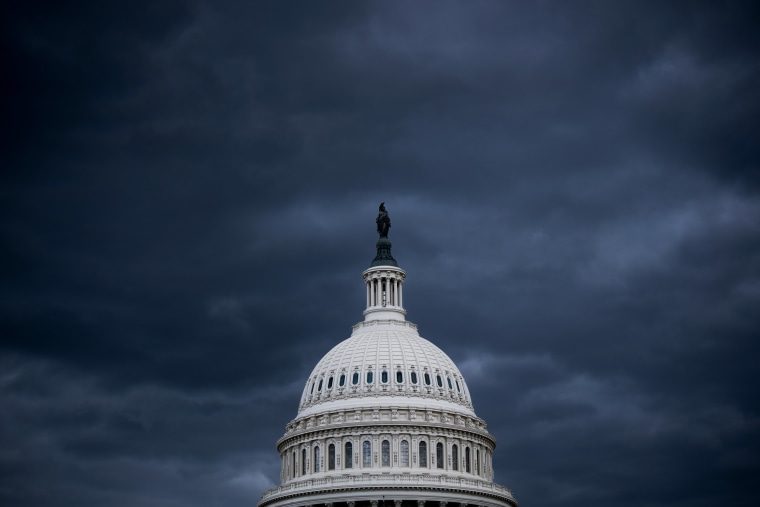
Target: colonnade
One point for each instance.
(400, 452)
(385, 289)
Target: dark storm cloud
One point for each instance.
(187, 204)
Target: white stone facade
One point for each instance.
(386, 416)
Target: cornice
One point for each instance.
(403, 418)
(454, 487)
(431, 432)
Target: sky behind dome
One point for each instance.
(189, 191)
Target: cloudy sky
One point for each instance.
(188, 200)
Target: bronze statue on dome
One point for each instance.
(383, 221)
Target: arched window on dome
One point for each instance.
(355, 378)
(399, 377)
(423, 454)
(413, 377)
(348, 455)
(370, 377)
(367, 454)
(303, 461)
(330, 382)
(439, 381)
(427, 379)
(454, 457)
(477, 461)
(448, 379)
(457, 383)
(342, 380)
(439, 455)
(313, 385)
(294, 468)
(467, 459)
(386, 453)
(316, 459)
(331, 457)
(384, 377)
(319, 388)
(404, 453)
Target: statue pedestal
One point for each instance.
(383, 257)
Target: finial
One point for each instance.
(383, 221)
(383, 257)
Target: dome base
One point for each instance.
(371, 490)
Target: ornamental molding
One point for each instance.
(369, 324)
(371, 390)
(427, 486)
(418, 432)
(384, 417)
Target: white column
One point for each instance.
(368, 302)
(401, 295)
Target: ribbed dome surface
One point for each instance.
(383, 360)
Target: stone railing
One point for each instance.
(384, 322)
(370, 480)
(406, 415)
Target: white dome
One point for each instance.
(386, 415)
(385, 362)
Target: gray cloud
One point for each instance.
(187, 206)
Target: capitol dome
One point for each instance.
(386, 417)
(387, 362)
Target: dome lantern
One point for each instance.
(384, 279)
(384, 293)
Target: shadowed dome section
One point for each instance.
(382, 360)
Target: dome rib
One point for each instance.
(391, 344)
